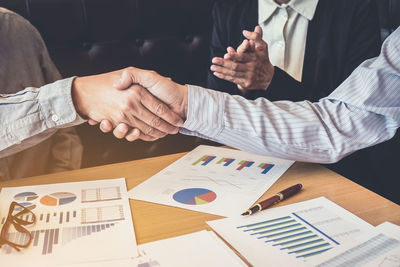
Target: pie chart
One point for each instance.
(28, 205)
(25, 196)
(58, 199)
(194, 196)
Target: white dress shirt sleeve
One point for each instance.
(363, 111)
(34, 114)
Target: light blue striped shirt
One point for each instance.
(363, 111)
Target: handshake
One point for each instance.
(133, 103)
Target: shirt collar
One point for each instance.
(305, 8)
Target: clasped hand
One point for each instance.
(133, 103)
(140, 104)
(248, 66)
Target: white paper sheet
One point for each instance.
(213, 180)
(291, 235)
(198, 249)
(379, 247)
(82, 222)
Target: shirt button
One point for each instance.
(54, 118)
(280, 44)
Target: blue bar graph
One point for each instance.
(291, 234)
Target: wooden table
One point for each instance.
(154, 222)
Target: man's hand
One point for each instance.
(172, 94)
(95, 98)
(249, 66)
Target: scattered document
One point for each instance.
(213, 180)
(291, 235)
(380, 247)
(198, 249)
(76, 223)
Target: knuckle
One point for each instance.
(152, 72)
(135, 92)
(149, 130)
(156, 122)
(246, 83)
(121, 117)
(235, 66)
(159, 109)
(125, 107)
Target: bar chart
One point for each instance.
(244, 163)
(226, 161)
(48, 238)
(206, 159)
(291, 234)
(266, 167)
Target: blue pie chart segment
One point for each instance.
(194, 196)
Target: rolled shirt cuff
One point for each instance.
(205, 113)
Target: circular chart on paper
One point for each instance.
(26, 196)
(28, 205)
(58, 199)
(194, 196)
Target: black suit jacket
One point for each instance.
(342, 34)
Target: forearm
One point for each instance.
(298, 131)
(34, 114)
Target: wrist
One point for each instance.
(77, 97)
(271, 71)
(183, 106)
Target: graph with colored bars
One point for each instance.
(243, 164)
(226, 161)
(291, 234)
(47, 239)
(266, 167)
(206, 159)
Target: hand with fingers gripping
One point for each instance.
(249, 66)
(173, 95)
(96, 98)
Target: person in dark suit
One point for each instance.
(312, 46)
(338, 36)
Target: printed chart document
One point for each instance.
(380, 247)
(213, 180)
(291, 235)
(198, 249)
(82, 222)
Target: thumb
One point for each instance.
(259, 42)
(132, 75)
